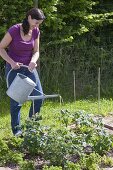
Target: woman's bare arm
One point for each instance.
(3, 45)
(35, 56)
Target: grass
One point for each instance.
(51, 110)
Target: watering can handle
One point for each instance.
(10, 72)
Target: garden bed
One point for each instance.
(79, 142)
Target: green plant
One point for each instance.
(27, 165)
(91, 162)
(15, 158)
(100, 146)
(72, 166)
(9, 156)
(107, 161)
(52, 168)
(14, 143)
(4, 152)
(93, 132)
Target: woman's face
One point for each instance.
(34, 22)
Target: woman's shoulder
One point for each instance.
(13, 29)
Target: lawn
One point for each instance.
(50, 109)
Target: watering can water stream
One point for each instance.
(21, 88)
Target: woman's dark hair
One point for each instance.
(35, 13)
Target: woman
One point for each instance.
(22, 41)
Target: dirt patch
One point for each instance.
(108, 124)
(107, 168)
(5, 168)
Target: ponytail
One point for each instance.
(25, 26)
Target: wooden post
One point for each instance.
(38, 62)
(36, 3)
(99, 90)
(33, 108)
(74, 92)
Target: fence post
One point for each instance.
(99, 90)
(74, 91)
(36, 3)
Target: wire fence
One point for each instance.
(83, 57)
(71, 75)
(71, 69)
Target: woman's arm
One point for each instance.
(35, 56)
(3, 45)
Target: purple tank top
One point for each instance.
(20, 50)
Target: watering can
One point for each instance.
(21, 88)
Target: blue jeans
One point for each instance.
(14, 106)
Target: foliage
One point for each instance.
(91, 162)
(47, 142)
(52, 168)
(107, 161)
(93, 136)
(27, 165)
(61, 146)
(12, 13)
(72, 17)
(7, 155)
(72, 166)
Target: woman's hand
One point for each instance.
(16, 65)
(31, 66)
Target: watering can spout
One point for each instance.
(42, 97)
